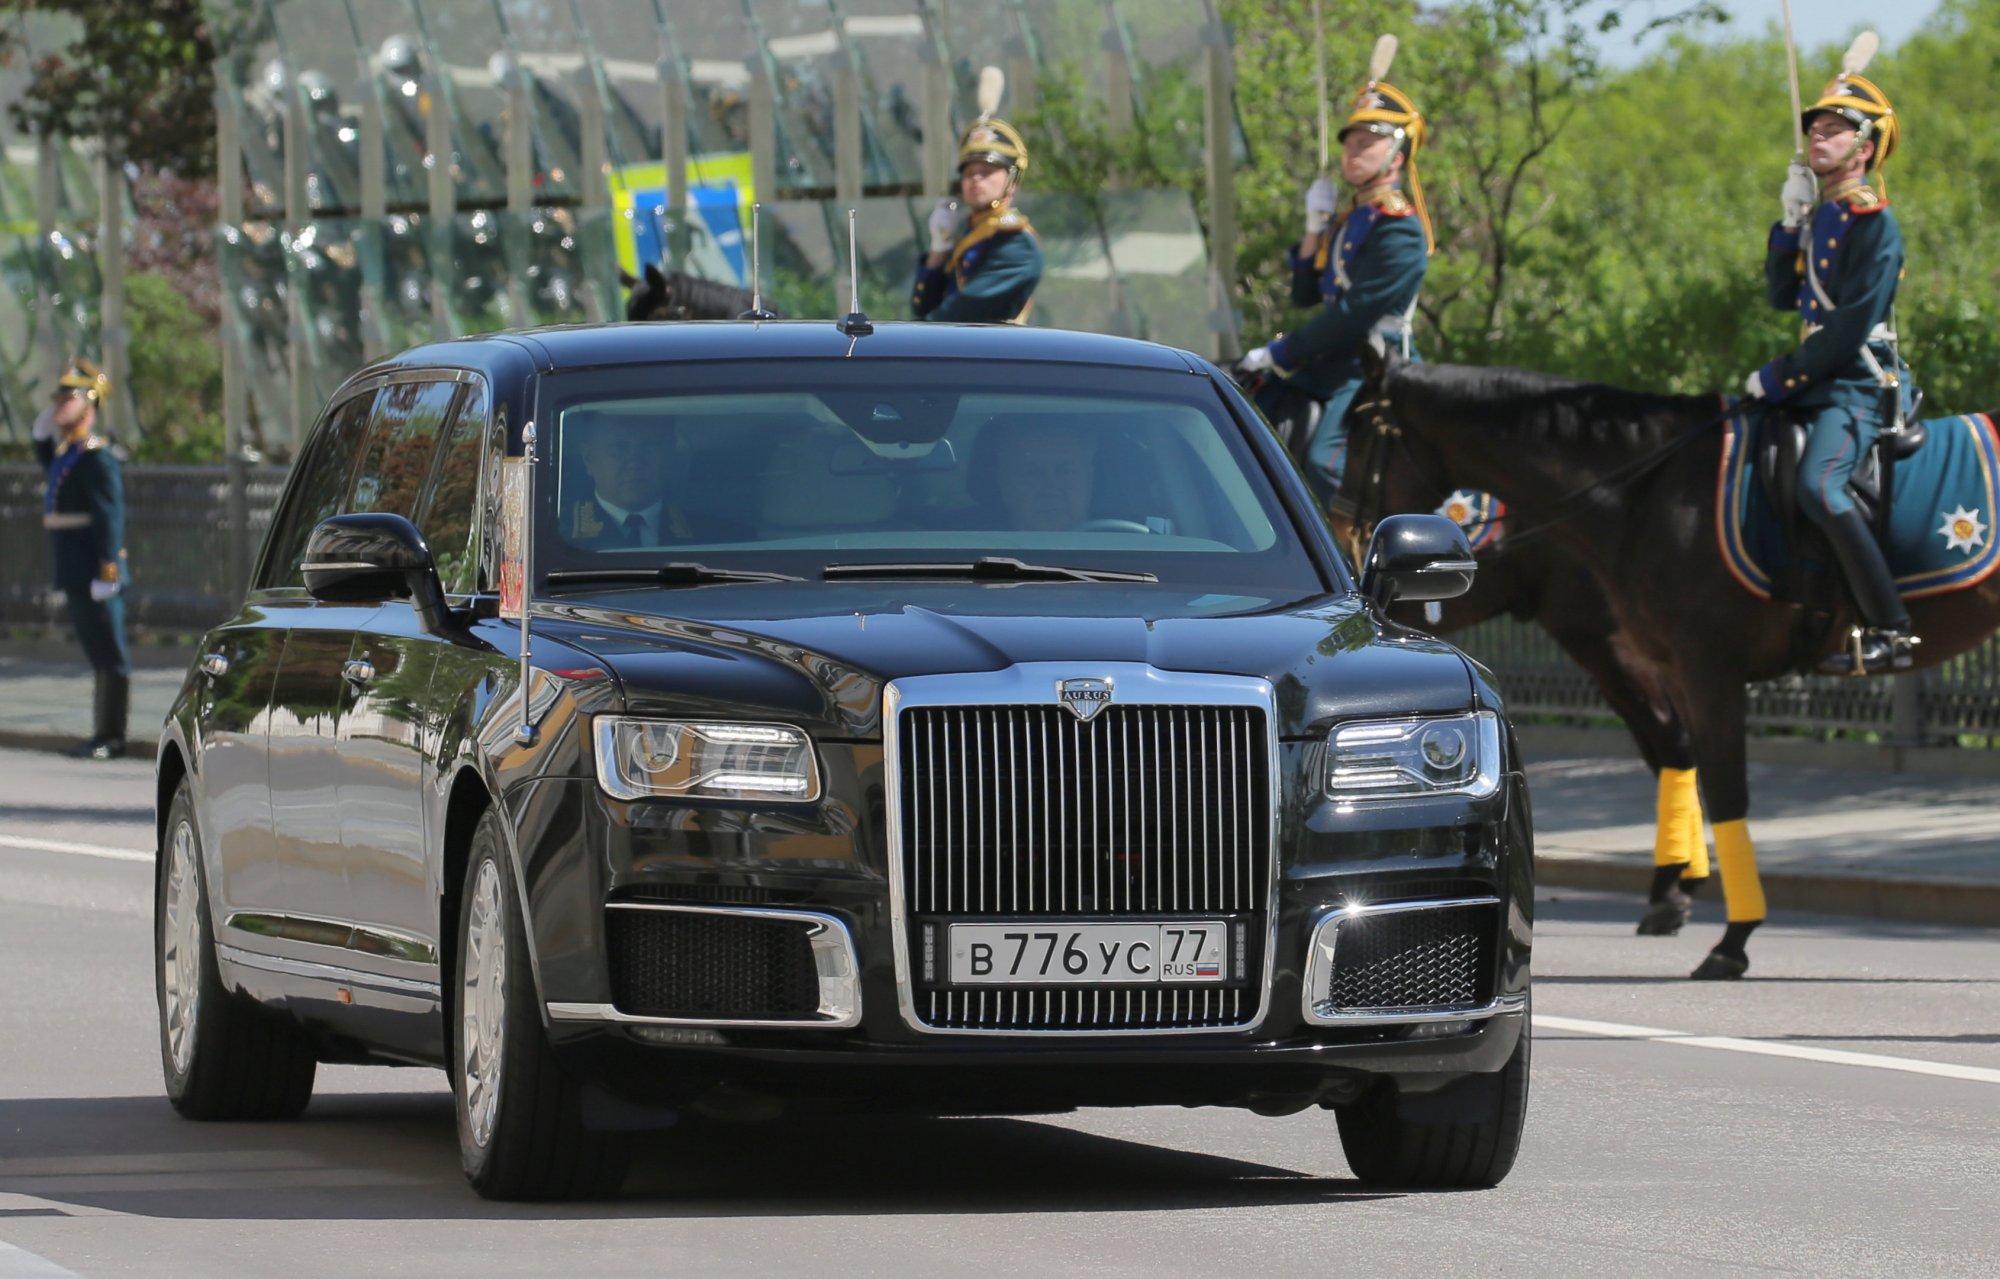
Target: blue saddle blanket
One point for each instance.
(1943, 497)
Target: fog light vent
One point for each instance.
(669, 963)
(1415, 958)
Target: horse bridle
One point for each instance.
(1383, 435)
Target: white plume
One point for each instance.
(992, 83)
(1860, 53)
(1385, 53)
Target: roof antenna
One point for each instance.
(756, 311)
(854, 324)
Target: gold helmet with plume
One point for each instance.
(1859, 101)
(82, 375)
(1381, 108)
(989, 138)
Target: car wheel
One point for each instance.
(520, 1114)
(1386, 1148)
(224, 1058)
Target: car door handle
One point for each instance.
(357, 671)
(215, 664)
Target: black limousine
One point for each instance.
(736, 719)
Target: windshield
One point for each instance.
(811, 465)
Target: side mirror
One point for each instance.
(359, 559)
(1417, 557)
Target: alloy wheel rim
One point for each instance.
(181, 960)
(482, 1002)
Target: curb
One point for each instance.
(57, 743)
(1929, 901)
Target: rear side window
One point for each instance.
(400, 446)
(447, 519)
(318, 489)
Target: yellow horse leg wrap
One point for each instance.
(1677, 837)
(1742, 891)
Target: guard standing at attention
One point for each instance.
(1836, 257)
(988, 273)
(83, 509)
(1364, 269)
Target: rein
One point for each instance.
(1384, 429)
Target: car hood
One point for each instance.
(821, 655)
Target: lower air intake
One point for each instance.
(1423, 960)
(670, 964)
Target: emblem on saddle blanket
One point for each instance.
(1940, 530)
(1481, 515)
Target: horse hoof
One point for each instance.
(1721, 967)
(1666, 917)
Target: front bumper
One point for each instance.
(581, 851)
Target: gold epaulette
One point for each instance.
(1864, 200)
(584, 521)
(1011, 219)
(1395, 204)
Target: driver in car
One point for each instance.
(628, 505)
(1045, 472)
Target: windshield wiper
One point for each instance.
(988, 568)
(678, 573)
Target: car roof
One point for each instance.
(647, 342)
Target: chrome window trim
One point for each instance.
(1035, 684)
(1319, 968)
(834, 957)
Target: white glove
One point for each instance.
(1319, 206)
(1800, 195)
(101, 590)
(944, 225)
(1753, 386)
(1256, 360)
(45, 423)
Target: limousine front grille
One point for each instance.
(1060, 1008)
(1146, 812)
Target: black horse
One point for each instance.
(1623, 483)
(675, 295)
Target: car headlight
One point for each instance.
(1454, 755)
(653, 758)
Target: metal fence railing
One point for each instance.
(177, 532)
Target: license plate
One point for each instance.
(1088, 954)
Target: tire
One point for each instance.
(520, 1114)
(1384, 1148)
(223, 1057)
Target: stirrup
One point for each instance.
(1871, 650)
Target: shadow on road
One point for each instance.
(395, 1157)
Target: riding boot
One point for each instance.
(1886, 643)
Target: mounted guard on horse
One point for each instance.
(1836, 257)
(1363, 269)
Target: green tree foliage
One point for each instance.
(141, 77)
(1599, 223)
(176, 374)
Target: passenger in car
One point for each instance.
(627, 505)
(1038, 474)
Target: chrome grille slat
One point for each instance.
(1039, 818)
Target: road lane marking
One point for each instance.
(19, 1263)
(80, 850)
(1833, 1056)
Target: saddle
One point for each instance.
(1781, 443)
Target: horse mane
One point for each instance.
(1540, 408)
(676, 295)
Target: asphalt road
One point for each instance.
(1673, 1129)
